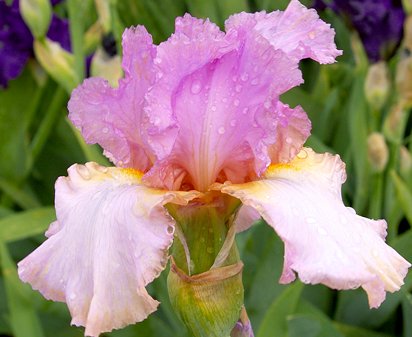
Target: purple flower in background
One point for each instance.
(378, 22)
(16, 40)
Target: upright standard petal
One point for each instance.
(325, 242)
(110, 240)
(297, 31)
(235, 90)
(113, 117)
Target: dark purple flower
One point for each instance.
(16, 40)
(378, 22)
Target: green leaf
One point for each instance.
(404, 195)
(23, 318)
(407, 314)
(25, 224)
(352, 331)
(275, 320)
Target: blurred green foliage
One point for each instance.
(38, 144)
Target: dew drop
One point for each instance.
(238, 88)
(244, 77)
(159, 75)
(233, 122)
(322, 231)
(213, 108)
(209, 250)
(245, 111)
(302, 154)
(221, 130)
(196, 87)
(310, 220)
(312, 35)
(105, 130)
(170, 229)
(202, 240)
(156, 120)
(236, 102)
(288, 140)
(267, 105)
(72, 296)
(224, 99)
(157, 60)
(254, 81)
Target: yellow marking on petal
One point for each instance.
(274, 168)
(132, 173)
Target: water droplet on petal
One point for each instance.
(302, 154)
(236, 102)
(213, 108)
(224, 99)
(244, 77)
(322, 231)
(170, 229)
(105, 130)
(310, 220)
(233, 122)
(221, 130)
(157, 60)
(267, 104)
(72, 296)
(209, 250)
(312, 35)
(245, 111)
(196, 87)
(254, 81)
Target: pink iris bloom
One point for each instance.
(196, 113)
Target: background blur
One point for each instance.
(359, 107)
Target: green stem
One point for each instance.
(46, 126)
(76, 35)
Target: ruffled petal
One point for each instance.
(325, 242)
(297, 31)
(224, 110)
(113, 117)
(195, 43)
(110, 240)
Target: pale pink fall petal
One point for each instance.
(297, 31)
(245, 218)
(112, 117)
(325, 242)
(110, 240)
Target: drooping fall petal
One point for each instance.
(113, 117)
(110, 240)
(325, 242)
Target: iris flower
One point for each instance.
(16, 40)
(195, 119)
(378, 22)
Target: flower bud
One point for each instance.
(407, 6)
(378, 153)
(103, 11)
(404, 79)
(57, 62)
(243, 327)
(209, 304)
(377, 85)
(37, 15)
(407, 39)
(405, 163)
(106, 66)
(394, 123)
